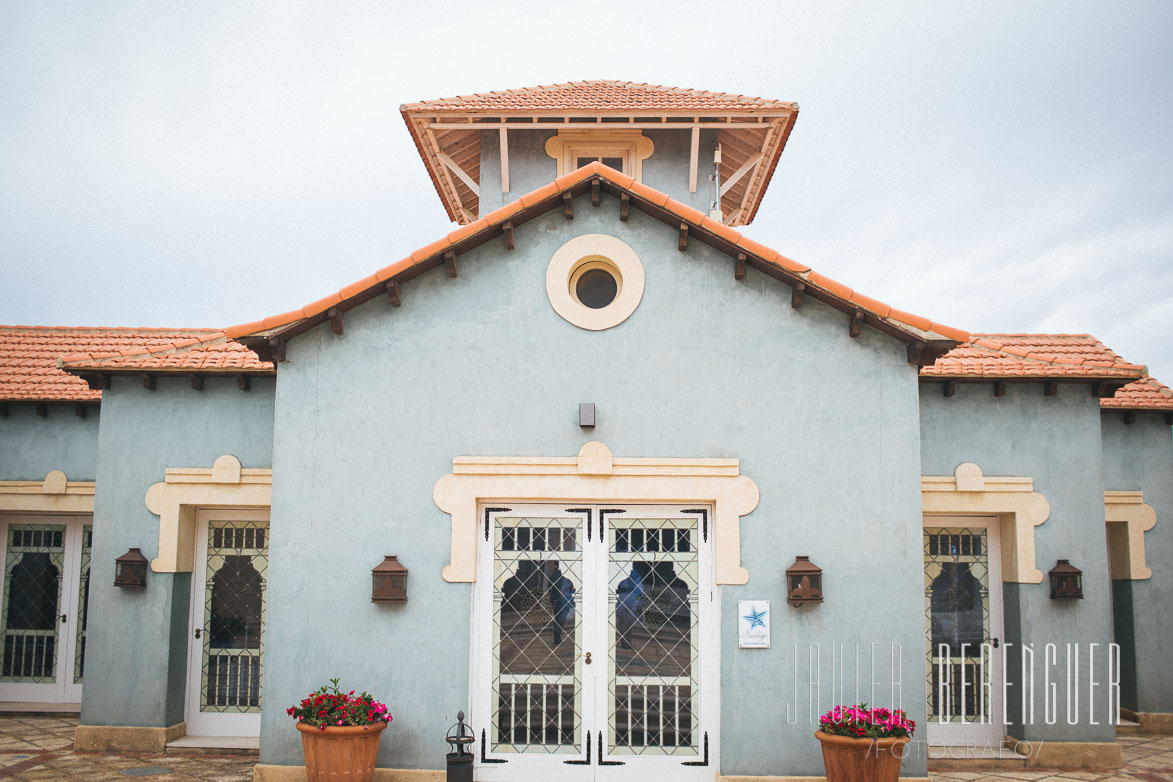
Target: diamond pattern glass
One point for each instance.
(537, 635)
(234, 612)
(33, 570)
(83, 603)
(957, 615)
(652, 614)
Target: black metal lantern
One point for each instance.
(389, 582)
(130, 570)
(459, 738)
(1066, 580)
(804, 582)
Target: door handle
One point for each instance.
(199, 631)
(64, 618)
(588, 658)
(995, 643)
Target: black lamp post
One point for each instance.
(459, 737)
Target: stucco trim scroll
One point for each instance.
(55, 494)
(1130, 508)
(632, 145)
(1014, 501)
(596, 476)
(184, 490)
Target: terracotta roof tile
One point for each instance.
(1143, 394)
(996, 356)
(29, 354)
(920, 327)
(600, 95)
(208, 351)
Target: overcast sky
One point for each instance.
(996, 166)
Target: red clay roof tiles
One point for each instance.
(1011, 356)
(1143, 394)
(599, 95)
(28, 357)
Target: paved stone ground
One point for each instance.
(36, 747)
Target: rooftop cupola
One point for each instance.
(712, 150)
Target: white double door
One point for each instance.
(963, 632)
(227, 623)
(595, 650)
(43, 606)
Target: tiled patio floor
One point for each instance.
(37, 747)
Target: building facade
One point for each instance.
(597, 425)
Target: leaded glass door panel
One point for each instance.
(46, 577)
(963, 630)
(228, 624)
(590, 653)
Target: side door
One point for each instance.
(44, 597)
(227, 623)
(963, 630)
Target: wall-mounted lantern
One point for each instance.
(389, 582)
(1066, 580)
(804, 582)
(130, 570)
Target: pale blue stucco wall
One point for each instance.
(1056, 441)
(368, 421)
(31, 446)
(1139, 456)
(137, 639)
(530, 167)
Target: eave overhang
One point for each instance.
(752, 141)
(925, 340)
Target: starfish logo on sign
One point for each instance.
(755, 618)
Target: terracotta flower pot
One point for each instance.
(849, 759)
(340, 754)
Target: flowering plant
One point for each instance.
(861, 722)
(328, 707)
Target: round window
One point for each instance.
(595, 281)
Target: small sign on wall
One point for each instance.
(753, 624)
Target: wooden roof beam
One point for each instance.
(504, 141)
(693, 157)
(460, 173)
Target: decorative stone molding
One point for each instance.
(607, 252)
(1014, 501)
(596, 476)
(1126, 558)
(631, 145)
(184, 490)
(55, 494)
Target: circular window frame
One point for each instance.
(582, 254)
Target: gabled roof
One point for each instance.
(925, 338)
(1032, 357)
(752, 132)
(29, 370)
(1141, 395)
(598, 95)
